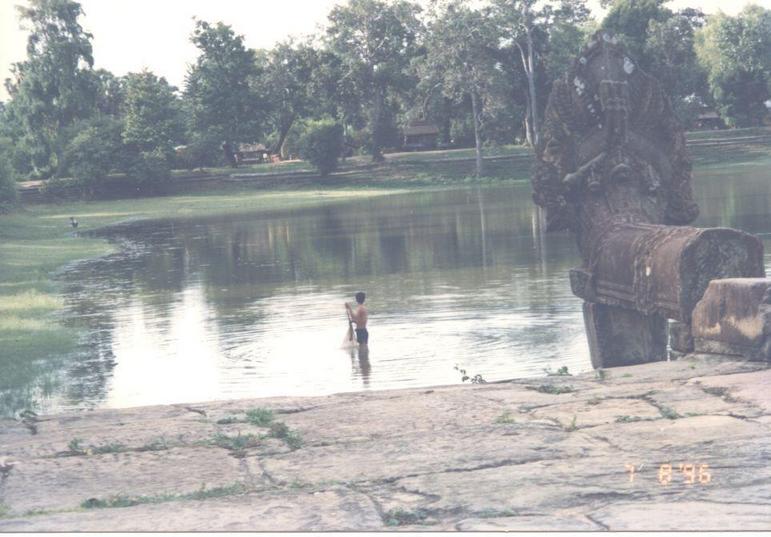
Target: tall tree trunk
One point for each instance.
(475, 111)
(528, 64)
(531, 85)
(528, 127)
(446, 120)
(377, 127)
(282, 134)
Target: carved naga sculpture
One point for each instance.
(612, 167)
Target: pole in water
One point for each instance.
(350, 340)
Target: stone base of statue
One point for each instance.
(620, 336)
(645, 274)
(734, 318)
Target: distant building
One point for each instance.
(252, 153)
(708, 119)
(420, 135)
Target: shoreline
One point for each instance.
(547, 453)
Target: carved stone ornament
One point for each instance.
(612, 167)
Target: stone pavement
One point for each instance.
(552, 453)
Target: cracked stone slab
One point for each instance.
(646, 436)
(528, 523)
(478, 456)
(579, 482)
(414, 453)
(753, 387)
(63, 483)
(689, 399)
(321, 511)
(605, 411)
(133, 431)
(582, 483)
(684, 516)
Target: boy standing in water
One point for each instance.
(360, 316)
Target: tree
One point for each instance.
(50, 89)
(95, 149)
(458, 60)
(152, 113)
(630, 19)
(671, 58)
(286, 85)
(736, 53)
(529, 26)
(152, 126)
(219, 88)
(109, 93)
(8, 193)
(375, 41)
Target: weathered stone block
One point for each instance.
(680, 337)
(665, 270)
(734, 317)
(620, 336)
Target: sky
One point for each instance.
(129, 35)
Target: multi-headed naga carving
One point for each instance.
(612, 167)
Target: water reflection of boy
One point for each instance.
(360, 316)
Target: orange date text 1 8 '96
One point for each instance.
(686, 473)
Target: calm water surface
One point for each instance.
(253, 306)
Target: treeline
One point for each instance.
(479, 71)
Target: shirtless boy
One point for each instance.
(360, 316)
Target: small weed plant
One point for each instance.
(291, 438)
(464, 376)
(262, 417)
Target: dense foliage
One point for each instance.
(736, 54)
(7, 184)
(479, 71)
(322, 145)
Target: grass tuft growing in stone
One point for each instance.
(156, 445)
(123, 500)
(628, 419)
(506, 417)
(494, 513)
(262, 417)
(236, 443)
(292, 438)
(718, 391)
(669, 413)
(75, 448)
(400, 517)
(115, 447)
(227, 420)
(551, 389)
(561, 372)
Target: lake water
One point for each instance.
(253, 306)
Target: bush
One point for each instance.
(201, 151)
(8, 194)
(322, 145)
(93, 153)
(150, 171)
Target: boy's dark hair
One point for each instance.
(360, 296)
